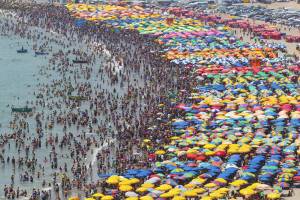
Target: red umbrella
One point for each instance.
(221, 153)
(192, 164)
(201, 158)
(191, 156)
(296, 178)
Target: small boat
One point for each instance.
(22, 50)
(22, 110)
(37, 53)
(80, 61)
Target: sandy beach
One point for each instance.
(111, 99)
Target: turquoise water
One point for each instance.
(17, 82)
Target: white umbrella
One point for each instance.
(153, 180)
(131, 194)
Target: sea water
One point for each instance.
(17, 85)
(19, 79)
(16, 77)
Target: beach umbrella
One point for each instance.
(131, 194)
(198, 181)
(97, 195)
(178, 198)
(238, 183)
(263, 187)
(107, 197)
(147, 185)
(125, 188)
(166, 195)
(74, 198)
(206, 198)
(247, 192)
(199, 190)
(220, 153)
(164, 187)
(221, 180)
(141, 189)
(146, 198)
(153, 180)
(216, 195)
(274, 195)
(209, 146)
(132, 198)
(190, 193)
(284, 185)
(160, 152)
(174, 191)
(113, 180)
(210, 185)
(190, 186)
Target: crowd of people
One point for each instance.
(120, 81)
(91, 117)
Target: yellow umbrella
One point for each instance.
(98, 195)
(164, 187)
(221, 180)
(210, 185)
(216, 195)
(146, 198)
(125, 182)
(198, 181)
(107, 197)
(125, 188)
(209, 153)
(209, 146)
(174, 191)
(141, 189)
(190, 193)
(113, 180)
(223, 190)
(178, 198)
(147, 185)
(192, 151)
(206, 198)
(132, 198)
(166, 195)
(134, 180)
(89, 199)
(189, 186)
(74, 198)
(160, 152)
(273, 195)
(247, 192)
(238, 183)
(199, 190)
(146, 140)
(254, 186)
